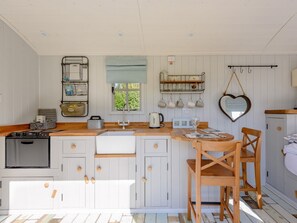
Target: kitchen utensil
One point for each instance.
(199, 102)
(171, 104)
(191, 104)
(162, 103)
(180, 103)
(95, 122)
(156, 120)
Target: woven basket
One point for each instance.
(73, 109)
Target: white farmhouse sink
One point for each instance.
(115, 142)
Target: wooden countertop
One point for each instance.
(79, 129)
(79, 132)
(283, 111)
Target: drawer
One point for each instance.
(155, 146)
(74, 146)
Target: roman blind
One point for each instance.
(126, 69)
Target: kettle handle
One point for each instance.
(161, 117)
(96, 117)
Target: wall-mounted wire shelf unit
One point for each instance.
(189, 84)
(75, 86)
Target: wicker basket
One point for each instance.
(73, 109)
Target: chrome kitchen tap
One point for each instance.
(123, 123)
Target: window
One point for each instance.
(128, 94)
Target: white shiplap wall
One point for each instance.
(267, 88)
(19, 79)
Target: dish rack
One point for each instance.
(187, 83)
(75, 86)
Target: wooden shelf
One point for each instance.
(182, 84)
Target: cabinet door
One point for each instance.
(156, 182)
(115, 183)
(27, 193)
(73, 185)
(274, 157)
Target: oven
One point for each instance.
(29, 149)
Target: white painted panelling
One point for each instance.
(19, 79)
(154, 27)
(267, 88)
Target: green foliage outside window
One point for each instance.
(124, 93)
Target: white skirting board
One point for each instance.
(281, 195)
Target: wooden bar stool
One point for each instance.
(220, 171)
(251, 139)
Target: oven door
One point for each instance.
(27, 153)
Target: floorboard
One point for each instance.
(275, 210)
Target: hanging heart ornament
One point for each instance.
(234, 107)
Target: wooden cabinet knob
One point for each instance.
(86, 179)
(98, 169)
(46, 185)
(149, 168)
(279, 128)
(156, 146)
(93, 180)
(144, 180)
(54, 194)
(73, 146)
(79, 168)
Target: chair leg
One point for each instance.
(258, 183)
(236, 210)
(189, 195)
(222, 200)
(198, 202)
(244, 175)
(228, 192)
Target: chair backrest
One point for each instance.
(252, 139)
(228, 158)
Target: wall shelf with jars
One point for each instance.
(187, 83)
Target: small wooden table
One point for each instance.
(179, 134)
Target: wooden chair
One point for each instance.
(251, 139)
(220, 171)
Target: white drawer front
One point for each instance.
(155, 146)
(74, 146)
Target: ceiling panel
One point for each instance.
(109, 27)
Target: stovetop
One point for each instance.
(32, 134)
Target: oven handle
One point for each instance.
(27, 142)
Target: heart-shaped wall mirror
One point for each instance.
(234, 106)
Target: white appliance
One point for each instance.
(156, 120)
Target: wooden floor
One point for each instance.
(275, 210)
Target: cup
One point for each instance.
(191, 104)
(171, 104)
(162, 103)
(199, 102)
(180, 103)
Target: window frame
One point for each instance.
(142, 97)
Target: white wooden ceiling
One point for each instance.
(154, 27)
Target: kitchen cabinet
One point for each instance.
(115, 183)
(154, 168)
(74, 185)
(278, 126)
(27, 193)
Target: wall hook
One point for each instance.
(249, 70)
(241, 70)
